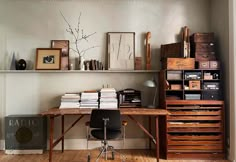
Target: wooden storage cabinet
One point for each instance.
(194, 130)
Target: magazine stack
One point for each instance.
(89, 100)
(70, 100)
(108, 98)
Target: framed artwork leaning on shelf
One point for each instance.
(64, 45)
(48, 59)
(121, 50)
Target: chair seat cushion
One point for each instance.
(111, 134)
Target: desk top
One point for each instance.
(123, 111)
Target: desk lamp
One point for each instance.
(151, 84)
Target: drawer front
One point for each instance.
(194, 130)
(193, 148)
(203, 64)
(193, 118)
(204, 47)
(195, 137)
(192, 125)
(196, 112)
(202, 37)
(196, 143)
(205, 56)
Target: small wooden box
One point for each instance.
(204, 47)
(203, 64)
(174, 75)
(204, 56)
(172, 50)
(175, 86)
(178, 63)
(214, 65)
(202, 37)
(194, 84)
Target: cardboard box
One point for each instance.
(175, 86)
(194, 85)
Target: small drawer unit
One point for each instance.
(195, 130)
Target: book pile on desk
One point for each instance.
(70, 100)
(89, 100)
(108, 98)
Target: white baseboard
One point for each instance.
(13, 152)
(80, 144)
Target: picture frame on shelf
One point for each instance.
(48, 59)
(121, 50)
(65, 47)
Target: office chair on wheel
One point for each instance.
(105, 125)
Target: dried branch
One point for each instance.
(77, 37)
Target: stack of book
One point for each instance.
(108, 98)
(70, 100)
(89, 100)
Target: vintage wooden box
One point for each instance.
(214, 64)
(204, 56)
(174, 75)
(194, 85)
(173, 50)
(202, 37)
(178, 63)
(204, 47)
(203, 64)
(175, 86)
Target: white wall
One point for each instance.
(220, 26)
(232, 61)
(26, 25)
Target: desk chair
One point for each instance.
(105, 125)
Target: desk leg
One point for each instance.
(150, 130)
(62, 131)
(157, 140)
(51, 137)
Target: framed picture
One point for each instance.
(48, 59)
(121, 50)
(64, 45)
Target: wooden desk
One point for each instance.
(130, 112)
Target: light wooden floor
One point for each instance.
(81, 156)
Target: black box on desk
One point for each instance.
(130, 98)
(25, 134)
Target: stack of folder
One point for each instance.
(108, 98)
(89, 100)
(70, 100)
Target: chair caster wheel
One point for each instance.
(112, 155)
(88, 160)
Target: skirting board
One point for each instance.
(13, 152)
(80, 144)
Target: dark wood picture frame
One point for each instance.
(65, 47)
(121, 50)
(48, 59)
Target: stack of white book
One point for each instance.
(89, 100)
(70, 100)
(108, 98)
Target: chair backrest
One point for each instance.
(97, 116)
